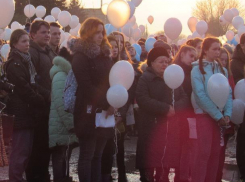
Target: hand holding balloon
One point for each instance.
(171, 112)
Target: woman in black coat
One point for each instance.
(91, 65)
(184, 58)
(158, 143)
(24, 103)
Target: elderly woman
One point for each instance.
(158, 144)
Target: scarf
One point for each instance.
(27, 60)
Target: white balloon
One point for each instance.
(7, 34)
(136, 2)
(237, 22)
(104, 8)
(67, 35)
(127, 30)
(201, 27)
(237, 38)
(117, 96)
(237, 111)
(64, 18)
(173, 28)
(122, 73)
(29, 10)
(73, 32)
(118, 13)
(239, 91)
(142, 28)
(222, 20)
(135, 26)
(235, 11)
(7, 8)
(218, 89)
(38, 19)
(192, 22)
(131, 21)
(195, 35)
(64, 44)
(230, 35)
(241, 31)
(55, 12)
(62, 36)
(136, 34)
(15, 25)
(49, 19)
(40, 11)
(228, 15)
(173, 76)
(189, 37)
(74, 21)
(149, 44)
(5, 51)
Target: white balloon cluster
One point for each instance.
(121, 79)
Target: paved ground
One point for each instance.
(230, 169)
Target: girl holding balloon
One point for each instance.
(184, 59)
(158, 147)
(210, 118)
(123, 55)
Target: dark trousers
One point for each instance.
(240, 150)
(147, 175)
(37, 169)
(107, 157)
(89, 164)
(60, 162)
(20, 155)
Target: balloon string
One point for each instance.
(173, 101)
(222, 137)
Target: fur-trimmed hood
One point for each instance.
(91, 49)
(60, 65)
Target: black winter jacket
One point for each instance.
(91, 65)
(237, 64)
(24, 103)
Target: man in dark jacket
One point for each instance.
(42, 56)
(237, 68)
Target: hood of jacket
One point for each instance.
(92, 50)
(60, 65)
(238, 54)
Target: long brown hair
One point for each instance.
(15, 37)
(89, 28)
(222, 51)
(183, 48)
(205, 46)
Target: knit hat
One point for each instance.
(160, 43)
(155, 53)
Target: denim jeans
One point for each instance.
(60, 155)
(22, 141)
(89, 164)
(208, 134)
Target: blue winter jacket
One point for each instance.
(199, 85)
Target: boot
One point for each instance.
(105, 177)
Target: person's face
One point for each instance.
(213, 52)
(114, 49)
(188, 57)
(199, 49)
(132, 53)
(120, 41)
(42, 37)
(223, 59)
(160, 64)
(143, 48)
(55, 36)
(98, 36)
(127, 45)
(23, 44)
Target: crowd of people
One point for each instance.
(184, 135)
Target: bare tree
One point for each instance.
(211, 10)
